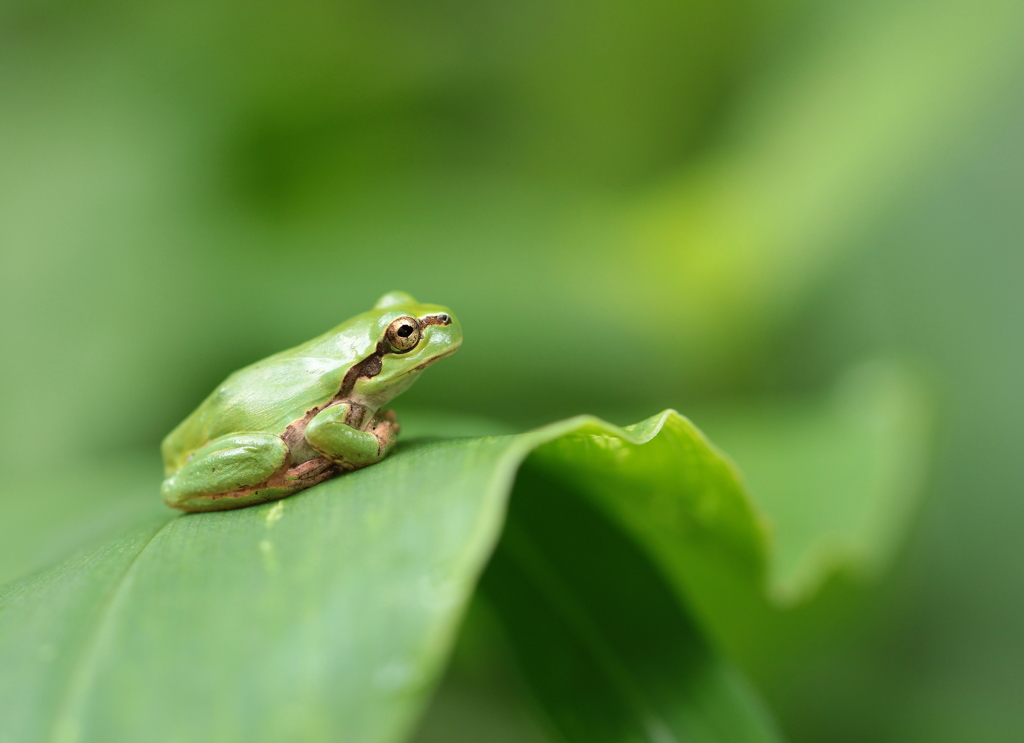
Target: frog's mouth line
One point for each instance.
(433, 360)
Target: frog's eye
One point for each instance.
(403, 334)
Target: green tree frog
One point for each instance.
(306, 414)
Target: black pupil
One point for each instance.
(405, 331)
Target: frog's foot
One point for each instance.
(348, 447)
(385, 428)
(231, 463)
(391, 417)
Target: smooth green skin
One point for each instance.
(303, 415)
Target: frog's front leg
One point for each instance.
(224, 465)
(335, 432)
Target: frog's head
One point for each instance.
(410, 337)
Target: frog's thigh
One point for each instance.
(342, 444)
(226, 464)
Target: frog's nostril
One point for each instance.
(438, 319)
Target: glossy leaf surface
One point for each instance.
(329, 615)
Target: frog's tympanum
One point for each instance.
(307, 414)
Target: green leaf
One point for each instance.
(329, 615)
(325, 616)
(711, 545)
(601, 636)
(839, 475)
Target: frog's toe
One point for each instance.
(171, 493)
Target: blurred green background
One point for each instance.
(717, 207)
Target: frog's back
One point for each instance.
(268, 395)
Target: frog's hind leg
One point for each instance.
(224, 465)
